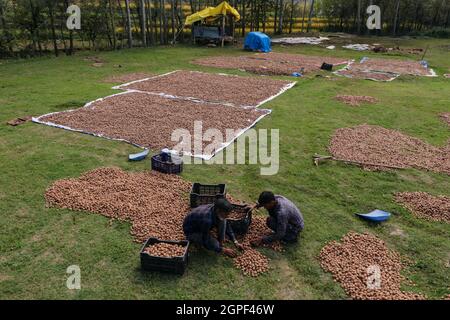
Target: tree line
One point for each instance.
(35, 27)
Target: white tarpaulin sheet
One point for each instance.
(357, 47)
(202, 156)
(300, 40)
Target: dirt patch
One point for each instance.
(445, 117)
(354, 262)
(5, 277)
(397, 232)
(129, 77)
(355, 100)
(271, 63)
(149, 120)
(426, 206)
(218, 88)
(94, 59)
(154, 203)
(19, 121)
(376, 146)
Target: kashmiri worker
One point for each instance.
(285, 219)
(200, 221)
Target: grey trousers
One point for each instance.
(292, 233)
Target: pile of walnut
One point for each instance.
(252, 263)
(259, 229)
(377, 146)
(236, 215)
(426, 206)
(355, 100)
(366, 268)
(165, 250)
(154, 203)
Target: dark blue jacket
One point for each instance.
(201, 220)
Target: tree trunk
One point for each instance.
(143, 22)
(311, 12)
(2, 15)
(124, 23)
(112, 13)
(51, 13)
(174, 33)
(69, 52)
(358, 17)
(291, 19)
(243, 18)
(397, 9)
(264, 13)
(303, 14)
(281, 17)
(161, 33)
(275, 19)
(130, 32)
(150, 22)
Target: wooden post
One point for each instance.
(223, 31)
(232, 27)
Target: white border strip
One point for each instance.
(432, 72)
(393, 77)
(165, 95)
(226, 144)
(348, 67)
(204, 157)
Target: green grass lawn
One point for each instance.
(37, 244)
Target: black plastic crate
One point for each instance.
(175, 265)
(240, 226)
(166, 166)
(206, 193)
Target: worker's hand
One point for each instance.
(252, 207)
(256, 243)
(239, 246)
(229, 252)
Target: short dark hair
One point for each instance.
(265, 197)
(223, 205)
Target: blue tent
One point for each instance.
(257, 41)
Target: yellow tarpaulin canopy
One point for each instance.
(222, 9)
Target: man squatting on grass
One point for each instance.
(198, 224)
(285, 219)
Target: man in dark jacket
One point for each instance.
(199, 222)
(285, 219)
